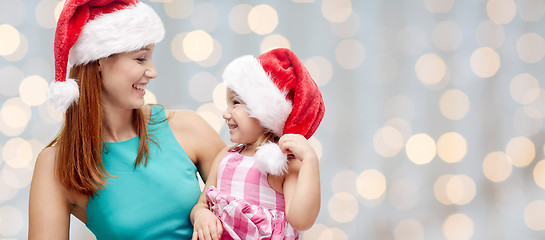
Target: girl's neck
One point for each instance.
(249, 150)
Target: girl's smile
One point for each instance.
(243, 128)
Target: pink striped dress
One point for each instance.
(245, 203)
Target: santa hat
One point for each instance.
(88, 30)
(281, 94)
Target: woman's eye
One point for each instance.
(141, 59)
(235, 102)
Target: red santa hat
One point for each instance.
(281, 94)
(88, 30)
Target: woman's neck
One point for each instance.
(118, 124)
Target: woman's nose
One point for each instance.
(151, 72)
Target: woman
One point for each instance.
(128, 171)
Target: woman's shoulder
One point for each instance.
(46, 157)
(191, 125)
(44, 168)
(47, 190)
(184, 119)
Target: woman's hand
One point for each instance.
(206, 226)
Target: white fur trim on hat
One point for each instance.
(63, 94)
(269, 158)
(246, 77)
(125, 30)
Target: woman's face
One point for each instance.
(125, 77)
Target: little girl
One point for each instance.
(267, 186)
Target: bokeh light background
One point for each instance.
(434, 108)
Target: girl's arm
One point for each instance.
(49, 208)
(302, 183)
(205, 224)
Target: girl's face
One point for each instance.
(125, 76)
(242, 128)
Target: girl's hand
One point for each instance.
(298, 146)
(207, 226)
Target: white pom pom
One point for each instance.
(63, 94)
(270, 158)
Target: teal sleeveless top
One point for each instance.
(146, 202)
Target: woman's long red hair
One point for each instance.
(79, 143)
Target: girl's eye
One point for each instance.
(235, 102)
(141, 59)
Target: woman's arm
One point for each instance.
(197, 137)
(302, 182)
(205, 224)
(49, 209)
(202, 144)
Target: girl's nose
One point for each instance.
(226, 115)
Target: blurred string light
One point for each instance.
(451, 147)
(485, 62)
(371, 184)
(33, 90)
(533, 215)
(524, 88)
(421, 148)
(262, 19)
(410, 172)
(439, 6)
(539, 174)
(12, 225)
(458, 226)
(454, 189)
(388, 141)
(238, 20)
(521, 151)
(47, 12)
(198, 45)
(409, 229)
(430, 68)
(531, 47)
(273, 41)
(454, 104)
(179, 9)
(343, 207)
(320, 69)
(350, 53)
(9, 39)
(501, 11)
(336, 10)
(497, 166)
